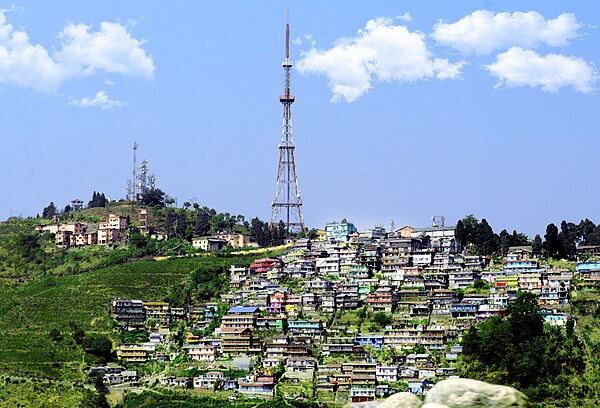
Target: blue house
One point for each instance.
(249, 310)
(583, 267)
(419, 386)
(375, 340)
(339, 231)
(314, 326)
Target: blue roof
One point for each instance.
(244, 309)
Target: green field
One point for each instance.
(30, 311)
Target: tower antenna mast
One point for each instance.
(287, 202)
(133, 177)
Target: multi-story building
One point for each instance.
(129, 313)
(339, 232)
(382, 300)
(159, 312)
(239, 341)
(135, 353)
(460, 279)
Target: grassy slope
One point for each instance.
(30, 394)
(29, 312)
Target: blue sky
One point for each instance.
(404, 110)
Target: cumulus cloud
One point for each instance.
(111, 49)
(381, 51)
(83, 52)
(517, 68)
(25, 64)
(101, 100)
(483, 32)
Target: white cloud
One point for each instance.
(83, 52)
(101, 100)
(25, 64)
(483, 32)
(406, 17)
(518, 68)
(381, 51)
(112, 49)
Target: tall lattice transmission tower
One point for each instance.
(131, 184)
(287, 205)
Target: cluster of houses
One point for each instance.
(223, 239)
(289, 314)
(114, 229)
(78, 234)
(113, 374)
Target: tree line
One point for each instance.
(479, 237)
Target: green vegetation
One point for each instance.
(71, 305)
(182, 400)
(38, 393)
(544, 362)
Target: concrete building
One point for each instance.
(339, 231)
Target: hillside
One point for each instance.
(30, 311)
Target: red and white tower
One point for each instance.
(287, 205)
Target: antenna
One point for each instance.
(287, 36)
(133, 179)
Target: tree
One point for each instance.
(312, 234)
(537, 246)
(518, 239)
(382, 319)
(180, 224)
(138, 241)
(153, 197)
(219, 222)
(505, 241)
(280, 232)
(260, 232)
(93, 400)
(67, 209)
(485, 240)
(99, 383)
(524, 318)
(570, 326)
(481, 284)
(98, 200)
(567, 240)
(202, 224)
(551, 244)
(585, 231)
(170, 222)
(99, 345)
(187, 205)
(49, 211)
(470, 224)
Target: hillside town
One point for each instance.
(349, 316)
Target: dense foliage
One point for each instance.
(98, 200)
(480, 238)
(519, 351)
(182, 400)
(265, 235)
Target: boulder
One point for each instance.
(370, 404)
(466, 393)
(398, 400)
(401, 399)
